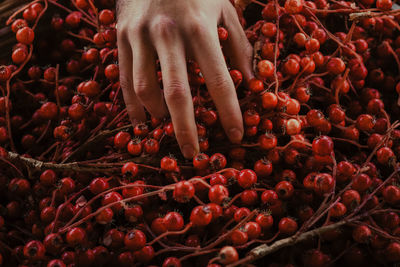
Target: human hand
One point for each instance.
(175, 30)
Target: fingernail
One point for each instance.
(188, 151)
(235, 135)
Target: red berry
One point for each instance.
(323, 183)
(287, 226)
(293, 6)
(222, 34)
(99, 185)
(201, 161)
(134, 147)
(48, 178)
(228, 255)
(362, 234)
(130, 168)
(201, 216)
(174, 221)
(322, 146)
(256, 86)
(284, 189)
(25, 35)
(135, 240)
(391, 194)
(151, 146)
(172, 262)
(75, 236)
(267, 141)
(218, 194)
(112, 72)
(247, 178)
(105, 216)
(5, 73)
(168, 164)
(338, 210)
(335, 66)
(265, 68)
(183, 191)
(34, 250)
(106, 17)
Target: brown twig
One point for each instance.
(264, 249)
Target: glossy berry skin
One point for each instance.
(48, 178)
(263, 168)
(5, 73)
(338, 210)
(335, 66)
(253, 230)
(145, 255)
(287, 226)
(135, 240)
(183, 191)
(323, 183)
(130, 168)
(241, 213)
(385, 155)
(238, 237)
(247, 178)
(201, 161)
(105, 216)
(256, 86)
(391, 194)
(222, 34)
(168, 164)
(362, 234)
(201, 216)
(134, 147)
(265, 68)
(34, 250)
(25, 35)
(228, 255)
(75, 236)
(151, 146)
(269, 100)
(293, 6)
(121, 140)
(56, 263)
(48, 111)
(174, 221)
(218, 194)
(322, 146)
(106, 17)
(267, 141)
(284, 189)
(265, 220)
(98, 185)
(171, 262)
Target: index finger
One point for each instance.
(177, 94)
(209, 55)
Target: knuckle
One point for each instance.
(122, 33)
(133, 109)
(125, 82)
(222, 85)
(142, 89)
(196, 27)
(175, 91)
(163, 26)
(137, 29)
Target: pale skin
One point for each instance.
(174, 31)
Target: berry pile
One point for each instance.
(315, 181)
